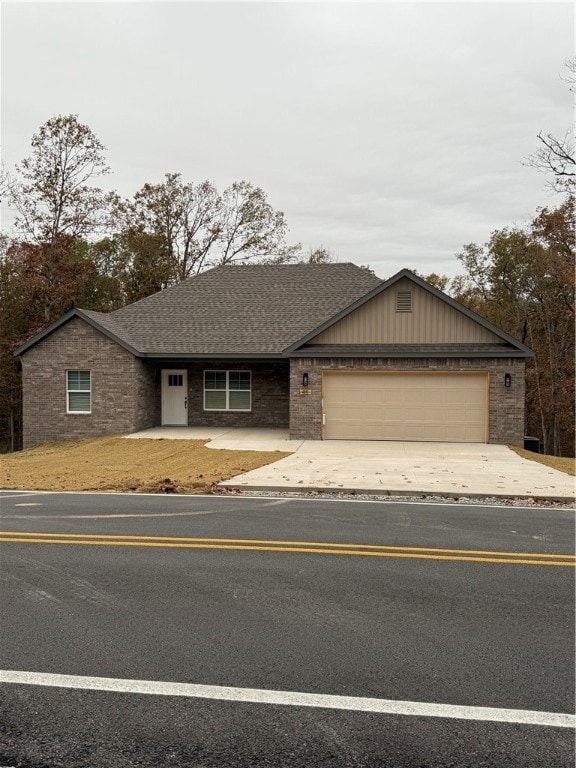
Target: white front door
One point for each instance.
(175, 397)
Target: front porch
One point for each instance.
(215, 395)
(234, 439)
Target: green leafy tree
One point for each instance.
(148, 267)
(38, 284)
(105, 290)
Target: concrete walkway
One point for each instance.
(392, 467)
(229, 439)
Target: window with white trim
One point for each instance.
(227, 391)
(78, 392)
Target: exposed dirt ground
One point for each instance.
(556, 462)
(149, 466)
(116, 464)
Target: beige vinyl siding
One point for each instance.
(419, 406)
(431, 321)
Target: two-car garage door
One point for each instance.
(370, 405)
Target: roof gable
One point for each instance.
(434, 319)
(95, 319)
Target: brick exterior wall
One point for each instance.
(506, 416)
(126, 390)
(122, 387)
(148, 408)
(270, 396)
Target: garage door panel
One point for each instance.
(400, 406)
(370, 399)
(394, 400)
(433, 399)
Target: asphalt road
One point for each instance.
(377, 604)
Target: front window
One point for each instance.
(227, 391)
(78, 392)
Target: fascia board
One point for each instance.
(211, 356)
(423, 354)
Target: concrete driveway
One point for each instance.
(448, 469)
(454, 469)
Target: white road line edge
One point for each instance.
(8, 494)
(102, 517)
(28, 504)
(291, 698)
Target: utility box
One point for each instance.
(532, 444)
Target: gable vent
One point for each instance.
(404, 301)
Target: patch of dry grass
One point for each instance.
(556, 462)
(117, 464)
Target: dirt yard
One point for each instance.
(556, 462)
(148, 466)
(116, 464)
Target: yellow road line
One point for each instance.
(537, 559)
(277, 543)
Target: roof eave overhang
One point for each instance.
(166, 355)
(405, 354)
(211, 355)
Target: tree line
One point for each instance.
(522, 280)
(77, 245)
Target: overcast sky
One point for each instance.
(390, 133)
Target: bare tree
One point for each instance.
(5, 181)
(50, 192)
(320, 255)
(556, 155)
(187, 216)
(250, 227)
(202, 228)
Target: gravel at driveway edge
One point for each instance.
(504, 501)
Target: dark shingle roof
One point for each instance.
(253, 309)
(264, 311)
